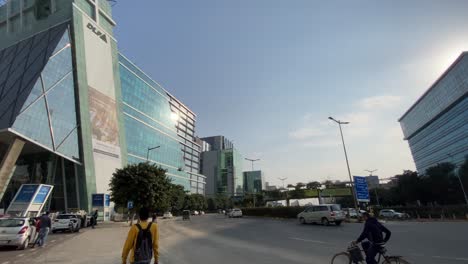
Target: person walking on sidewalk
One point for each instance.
(142, 241)
(45, 224)
(94, 219)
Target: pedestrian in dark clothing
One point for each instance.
(154, 218)
(94, 219)
(45, 224)
(373, 232)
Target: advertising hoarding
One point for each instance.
(103, 109)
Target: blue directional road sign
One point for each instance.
(362, 191)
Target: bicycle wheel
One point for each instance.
(395, 260)
(341, 258)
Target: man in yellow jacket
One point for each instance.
(130, 244)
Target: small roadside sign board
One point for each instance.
(362, 191)
(130, 205)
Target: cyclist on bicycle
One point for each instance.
(373, 231)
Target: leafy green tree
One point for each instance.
(145, 184)
(177, 194)
(313, 185)
(443, 184)
(195, 202)
(223, 201)
(300, 186)
(211, 203)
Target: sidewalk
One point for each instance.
(100, 245)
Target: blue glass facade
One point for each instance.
(149, 123)
(436, 127)
(38, 91)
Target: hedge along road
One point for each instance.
(215, 238)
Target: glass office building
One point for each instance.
(222, 165)
(73, 110)
(155, 118)
(436, 126)
(253, 181)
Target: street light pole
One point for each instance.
(375, 189)
(252, 160)
(459, 179)
(347, 162)
(149, 149)
(283, 179)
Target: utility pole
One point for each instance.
(459, 179)
(347, 162)
(252, 160)
(375, 189)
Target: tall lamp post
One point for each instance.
(149, 149)
(459, 179)
(283, 179)
(252, 160)
(347, 162)
(375, 189)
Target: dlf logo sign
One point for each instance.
(97, 32)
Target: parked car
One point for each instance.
(324, 214)
(390, 213)
(17, 232)
(235, 213)
(202, 212)
(351, 212)
(195, 213)
(167, 215)
(66, 222)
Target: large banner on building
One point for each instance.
(102, 103)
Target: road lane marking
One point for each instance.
(448, 258)
(308, 240)
(20, 255)
(6, 262)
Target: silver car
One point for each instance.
(323, 213)
(17, 232)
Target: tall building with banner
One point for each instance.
(73, 109)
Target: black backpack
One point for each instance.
(144, 245)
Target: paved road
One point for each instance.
(214, 239)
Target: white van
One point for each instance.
(323, 213)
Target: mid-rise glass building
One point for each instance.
(253, 181)
(73, 110)
(222, 165)
(436, 126)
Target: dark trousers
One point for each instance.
(371, 251)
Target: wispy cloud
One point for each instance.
(379, 102)
(363, 120)
(306, 133)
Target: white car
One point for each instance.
(324, 214)
(17, 232)
(235, 213)
(167, 215)
(66, 222)
(390, 213)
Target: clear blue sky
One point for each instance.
(268, 73)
